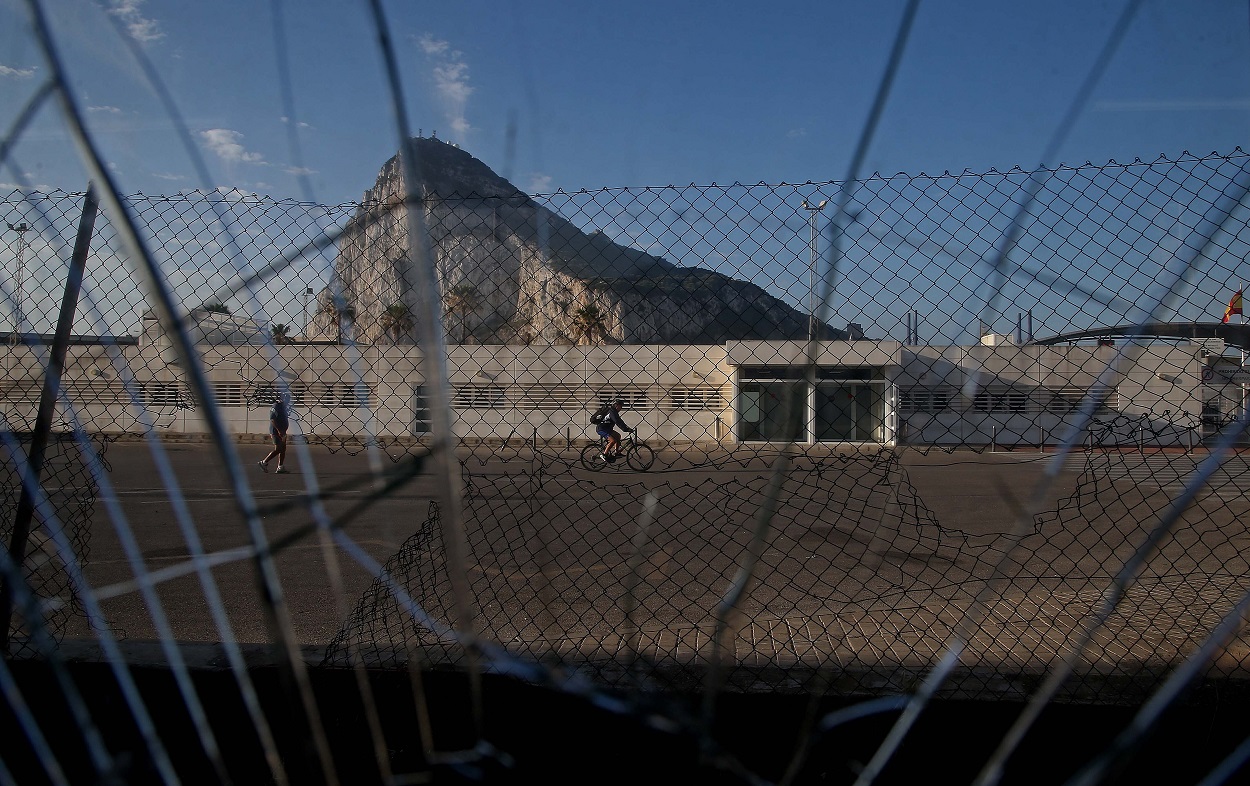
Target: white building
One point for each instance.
(877, 392)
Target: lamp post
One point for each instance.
(308, 293)
(811, 273)
(19, 280)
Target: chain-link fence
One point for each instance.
(855, 430)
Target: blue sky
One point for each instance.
(639, 93)
(564, 97)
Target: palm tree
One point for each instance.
(216, 308)
(396, 321)
(346, 316)
(590, 323)
(281, 333)
(336, 317)
(463, 299)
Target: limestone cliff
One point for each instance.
(512, 271)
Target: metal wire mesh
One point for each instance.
(829, 517)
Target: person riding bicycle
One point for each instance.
(605, 429)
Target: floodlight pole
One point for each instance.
(52, 385)
(19, 280)
(811, 271)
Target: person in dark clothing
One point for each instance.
(279, 423)
(609, 433)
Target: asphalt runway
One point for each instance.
(865, 561)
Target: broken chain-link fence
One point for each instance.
(990, 451)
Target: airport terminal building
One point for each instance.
(1164, 392)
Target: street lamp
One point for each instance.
(19, 280)
(308, 293)
(811, 274)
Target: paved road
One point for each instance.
(866, 560)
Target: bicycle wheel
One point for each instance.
(640, 457)
(590, 457)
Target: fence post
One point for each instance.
(47, 408)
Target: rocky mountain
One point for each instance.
(510, 270)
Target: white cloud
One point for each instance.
(226, 145)
(111, 110)
(298, 170)
(300, 124)
(795, 133)
(168, 176)
(140, 27)
(451, 81)
(431, 46)
(19, 73)
(236, 194)
(539, 183)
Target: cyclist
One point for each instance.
(605, 429)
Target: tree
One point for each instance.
(590, 323)
(216, 308)
(346, 316)
(463, 299)
(281, 333)
(335, 316)
(396, 321)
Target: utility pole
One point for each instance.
(19, 318)
(811, 273)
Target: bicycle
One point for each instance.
(637, 454)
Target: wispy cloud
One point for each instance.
(142, 28)
(16, 73)
(108, 110)
(451, 80)
(227, 146)
(168, 176)
(1171, 106)
(236, 194)
(539, 183)
(298, 170)
(795, 133)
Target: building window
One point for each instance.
(634, 398)
(551, 398)
(262, 396)
(228, 394)
(1013, 401)
(696, 397)
(356, 396)
(324, 396)
(330, 396)
(1067, 400)
(164, 394)
(420, 410)
(928, 400)
(480, 397)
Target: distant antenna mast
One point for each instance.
(19, 318)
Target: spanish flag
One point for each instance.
(1234, 306)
